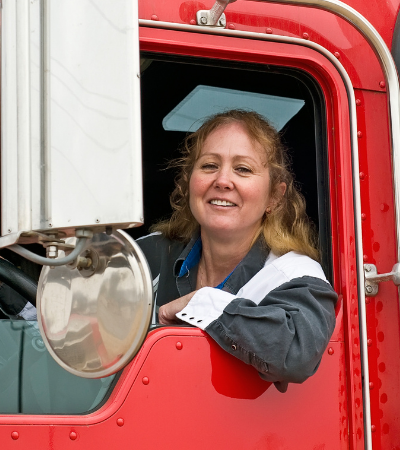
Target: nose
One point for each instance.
(223, 179)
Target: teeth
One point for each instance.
(222, 203)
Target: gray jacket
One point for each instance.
(275, 313)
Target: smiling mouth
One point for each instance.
(222, 203)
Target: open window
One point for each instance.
(179, 93)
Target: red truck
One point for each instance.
(324, 72)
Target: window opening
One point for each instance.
(31, 382)
(177, 91)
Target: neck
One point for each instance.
(219, 259)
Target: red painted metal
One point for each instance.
(326, 29)
(202, 397)
(380, 245)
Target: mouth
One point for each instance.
(222, 203)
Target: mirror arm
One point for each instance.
(79, 247)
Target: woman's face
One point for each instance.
(230, 185)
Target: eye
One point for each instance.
(244, 170)
(209, 166)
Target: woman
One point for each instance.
(237, 258)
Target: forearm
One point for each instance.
(283, 337)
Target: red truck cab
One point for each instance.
(318, 68)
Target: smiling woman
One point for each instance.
(237, 258)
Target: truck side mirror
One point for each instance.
(71, 173)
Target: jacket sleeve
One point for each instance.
(283, 336)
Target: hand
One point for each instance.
(166, 313)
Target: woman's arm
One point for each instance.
(283, 336)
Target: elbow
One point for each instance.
(294, 370)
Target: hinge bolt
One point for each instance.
(203, 20)
(368, 289)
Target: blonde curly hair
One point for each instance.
(286, 228)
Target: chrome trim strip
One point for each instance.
(355, 170)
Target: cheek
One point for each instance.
(260, 196)
(197, 187)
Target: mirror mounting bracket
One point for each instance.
(214, 17)
(372, 278)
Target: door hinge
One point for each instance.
(372, 278)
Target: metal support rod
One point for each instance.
(217, 10)
(80, 246)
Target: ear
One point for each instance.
(280, 192)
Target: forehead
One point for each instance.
(233, 138)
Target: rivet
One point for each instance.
(369, 342)
(362, 176)
(384, 207)
(231, 26)
(371, 385)
(120, 422)
(331, 351)
(154, 17)
(234, 347)
(368, 289)
(373, 428)
(203, 20)
(145, 380)
(337, 55)
(9, 230)
(15, 435)
(359, 134)
(73, 435)
(365, 258)
(382, 84)
(50, 224)
(97, 220)
(192, 22)
(179, 345)
(363, 216)
(269, 30)
(306, 36)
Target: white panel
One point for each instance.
(71, 152)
